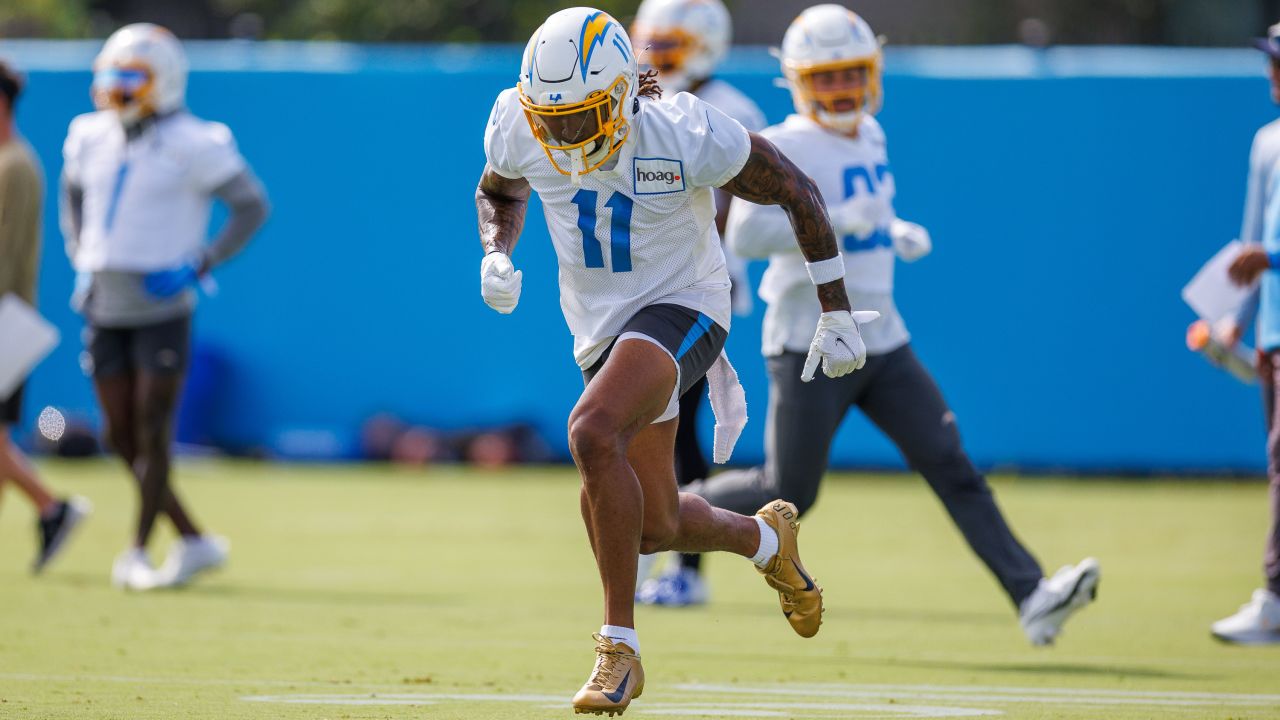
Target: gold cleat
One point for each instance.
(798, 592)
(616, 679)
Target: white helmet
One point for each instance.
(825, 41)
(578, 85)
(683, 39)
(141, 70)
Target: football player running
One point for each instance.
(137, 183)
(832, 64)
(685, 41)
(625, 181)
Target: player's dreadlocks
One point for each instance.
(649, 85)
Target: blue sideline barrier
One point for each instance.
(1070, 195)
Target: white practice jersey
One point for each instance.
(640, 233)
(842, 167)
(146, 200)
(732, 102)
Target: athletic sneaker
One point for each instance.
(1055, 599)
(1257, 622)
(191, 556)
(798, 593)
(55, 529)
(681, 588)
(615, 681)
(132, 571)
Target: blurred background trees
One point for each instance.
(1165, 22)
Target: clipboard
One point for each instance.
(26, 338)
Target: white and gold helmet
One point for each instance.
(683, 39)
(832, 63)
(578, 85)
(140, 71)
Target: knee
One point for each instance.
(805, 502)
(122, 440)
(658, 535)
(151, 439)
(594, 435)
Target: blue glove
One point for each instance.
(167, 283)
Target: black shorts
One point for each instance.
(11, 407)
(692, 339)
(160, 349)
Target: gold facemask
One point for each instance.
(817, 103)
(665, 50)
(577, 129)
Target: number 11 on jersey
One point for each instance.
(620, 207)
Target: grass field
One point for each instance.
(371, 592)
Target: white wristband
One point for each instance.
(825, 271)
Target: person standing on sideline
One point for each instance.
(685, 41)
(138, 180)
(832, 62)
(21, 195)
(1258, 621)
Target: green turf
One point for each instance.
(372, 582)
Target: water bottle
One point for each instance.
(1238, 360)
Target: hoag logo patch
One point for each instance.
(655, 176)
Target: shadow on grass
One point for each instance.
(317, 596)
(284, 595)
(1077, 669)
(942, 617)
(1037, 669)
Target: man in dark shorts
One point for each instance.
(21, 193)
(138, 180)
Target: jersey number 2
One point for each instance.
(619, 229)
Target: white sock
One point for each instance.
(768, 543)
(623, 635)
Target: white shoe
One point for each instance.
(1257, 622)
(132, 571)
(1071, 588)
(191, 556)
(682, 588)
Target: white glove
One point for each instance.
(499, 282)
(910, 241)
(860, 215)
(838, 344)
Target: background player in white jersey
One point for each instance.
(138, 179)
(625, 181)
(831, 60)
(685, 41)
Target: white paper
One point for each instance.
(25, 339)
(1211, 293)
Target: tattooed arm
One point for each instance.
(769, 178)
(500, 205)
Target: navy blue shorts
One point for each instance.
(693, 340)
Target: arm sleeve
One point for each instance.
(247, 201)
(758, 231)
(70, 212)
(216, 159)
(9, 249)
(1248, 310)
(721, 145)
(497, 147)
(1251, 225)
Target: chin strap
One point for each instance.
(576, 167)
